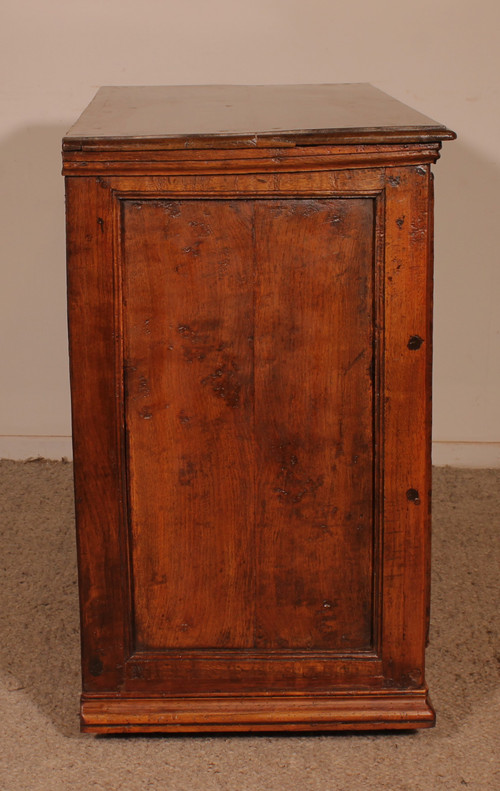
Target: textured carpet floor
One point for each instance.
(41, 747)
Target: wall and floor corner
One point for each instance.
(440, 61)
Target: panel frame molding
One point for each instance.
(119, 668)
(149, 191)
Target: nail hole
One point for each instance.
(413, 496)
(415, 342)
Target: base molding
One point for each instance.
(337, 711)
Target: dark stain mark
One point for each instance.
(282, 643)
(187, 474)
(185, 331)
(223, 263)
(201, 227)
(418, 229)
(172, 208)
(101, 224)
(193, 249)
(394, 181)
(143, 386)
(293, 484)
(200, 334)
(310, 487)
(183, 417)
(325, 529)
(190, 355)
(413, 496)
(400, 221)
(224, 637)
(222, 267)
(335, 220)
(353, 362)
(225, 385)
(199, 345)
(199, 340)
(95, 666)
(371, 371)
(305, 208)
(136, 672)
(415, 342)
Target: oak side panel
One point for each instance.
(188, 297)
(93, 339)
(407, 416)
(314, 423)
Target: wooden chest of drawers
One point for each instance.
(250, 291)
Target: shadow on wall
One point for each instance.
(467, 280)
(35, 397)
(467, 188)
(32, 186)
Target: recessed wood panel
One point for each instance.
(314, 423)
(188, 289)
(249, 412)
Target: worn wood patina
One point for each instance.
(249, 287)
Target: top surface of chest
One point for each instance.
(247, 116)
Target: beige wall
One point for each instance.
(441, 56)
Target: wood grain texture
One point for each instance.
(313, 423)
(275, 159)
(250, 338)
(407, 416)
(235, 672)
(99, 496)
(188, 295)
(226, 466)
(331, 712)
